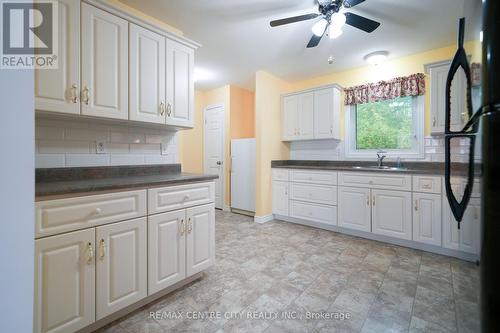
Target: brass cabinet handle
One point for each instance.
(434, 121)
(416, 205)
(85, 95)
(368, 200)
(182, 229)
(162, 108)
(373, 201)
(90, 253)
(74, 93)
(102, 249)
(169, 109)
(190, 226)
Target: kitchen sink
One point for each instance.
(382, 168)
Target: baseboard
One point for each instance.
(242, 212)
(263, 218)
(226, 208)
(385, 239)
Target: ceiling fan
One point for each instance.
(331, 18)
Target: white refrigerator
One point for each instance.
(243, 174)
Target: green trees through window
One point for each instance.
(385, 125)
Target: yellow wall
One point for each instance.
(268, 90)
(242, 113)
(397, 67)
(190, 144)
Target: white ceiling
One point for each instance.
(237, 39)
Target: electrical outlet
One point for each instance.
(100, 147)
(164, 145)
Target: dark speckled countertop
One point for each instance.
(68, 181)
(417, 168)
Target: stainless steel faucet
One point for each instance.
(380, 158)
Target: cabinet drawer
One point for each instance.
(427, 184)
(389, 182)
(313, 212)
(170, 198)
(281, 174)
(314, 177)
(322, 194)
(63, 215)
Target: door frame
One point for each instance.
(223, 179)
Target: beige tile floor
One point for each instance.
(291, 269)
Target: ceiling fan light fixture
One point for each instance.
(338, 20)
(335, 32)
(319, 27)
(376, 58)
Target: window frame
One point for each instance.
(417, 151)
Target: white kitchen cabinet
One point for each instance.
(147, 75)
(200, 238)
(327, 114)
(104, 39)
(427, 218)
(438, 76)
(354, 208)
(180, 85)
(121, 265)
(166, 250)
(65, 282)
(280, 198)
(467, 238)
(305, 117)
(314, 212)
(391, 213)
(58, 90)
(290, 116)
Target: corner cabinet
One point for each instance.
(313, 114)
(129, 70)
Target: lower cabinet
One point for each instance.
(280, 198)
(200, 238)
(427, 218)
(121, 265)
(391, 213)
(64, 282)
(467, 238)
(354, 208)
(313, 212)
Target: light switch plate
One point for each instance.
(164, 145)
(100, 147)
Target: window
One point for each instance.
(394, 126)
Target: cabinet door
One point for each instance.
(58, 89)
(467, 238)
(104, 64)
(327, 114)
(200, 238)
(427, 218)
(354, 208)
(65, 282)
(121, 265)
(391, 213)
(280, 198)
(306, 111)
(180, 85)
(147, 75)
(290, 117)
(166, 250)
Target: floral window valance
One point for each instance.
(413, 85)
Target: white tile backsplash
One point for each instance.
(72, 143)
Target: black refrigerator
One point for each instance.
(484, 125)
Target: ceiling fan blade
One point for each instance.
(315, 40)
(293, 19)
(361, 22)
(352, 3)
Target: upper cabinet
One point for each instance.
(147, 75)
(438, 75)
(59, 89)
(130, 70)
(180, 85)
(314, 114)
(104, 64)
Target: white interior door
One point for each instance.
(354, 208)
(121, 265)
(214, 149)
(243, 174)
(104, 64)
(167, 250)
(200, 238)
(147, 75)
(64, 282)
(59, 89)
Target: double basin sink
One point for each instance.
(379, 168)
